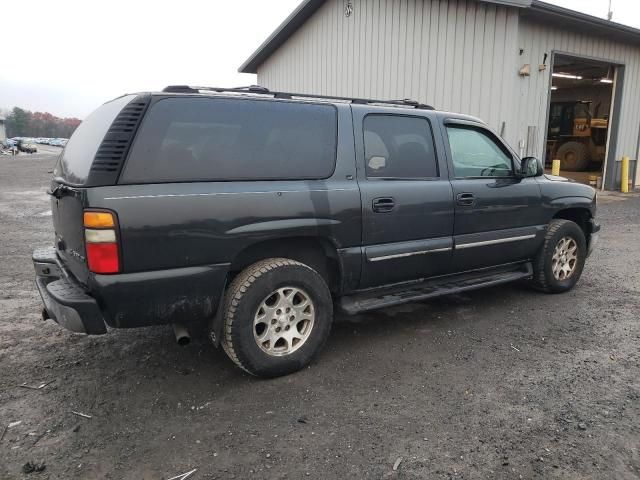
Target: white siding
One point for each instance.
(450, 54)
(457, 55)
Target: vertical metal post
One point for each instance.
(624, 175)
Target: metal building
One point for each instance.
(498, 60)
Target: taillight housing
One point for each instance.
(101, 241)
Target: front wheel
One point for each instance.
(277, 317)
(559, 264)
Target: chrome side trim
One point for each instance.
(212, 194)
(409, 254)
(494, 242)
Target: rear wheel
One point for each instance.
(574, 157)
(278, 315)
(559, 264)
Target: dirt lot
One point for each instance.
(500, 383)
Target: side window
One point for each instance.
(220, 139)
(398, 146)
(476, 154)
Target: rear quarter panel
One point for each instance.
(176, 225)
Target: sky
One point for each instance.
(69, 56)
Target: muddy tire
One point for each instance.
(277, 317)
(574, 157)
(560, 261)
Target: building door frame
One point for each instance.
(609, 166)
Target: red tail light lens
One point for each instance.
(103, 257)
(101, 241)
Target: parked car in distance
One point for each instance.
(58, 142)
(262, 212)
(6, 145)
(27, 146)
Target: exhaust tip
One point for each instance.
(182, 334)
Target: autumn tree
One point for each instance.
(23, 123)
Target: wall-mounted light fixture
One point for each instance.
(543, 66)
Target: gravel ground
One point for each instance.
(499, 383)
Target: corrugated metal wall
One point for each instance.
(457, 55)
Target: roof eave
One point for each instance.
(533, 8)
(287, 28)
(590, 23)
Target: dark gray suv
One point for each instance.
(261, 212)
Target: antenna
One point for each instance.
(610, 14)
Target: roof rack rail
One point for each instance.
(256, 89)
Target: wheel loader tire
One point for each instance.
(574, 157)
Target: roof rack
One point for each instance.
(256, 89)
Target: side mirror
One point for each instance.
(531, 167)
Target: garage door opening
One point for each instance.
(580, 117)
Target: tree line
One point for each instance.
(23, 123)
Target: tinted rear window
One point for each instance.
(398, 146)
(77, 157)
(210, 139)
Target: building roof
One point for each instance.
(531, 8)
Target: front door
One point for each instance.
(498, 215)
(407, 202)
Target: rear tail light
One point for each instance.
(101, 241)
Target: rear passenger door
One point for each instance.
(407, 201)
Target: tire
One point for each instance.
(574, 157)
(260, 300)
(544, 278)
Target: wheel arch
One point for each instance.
(579, 215)
(320, 253)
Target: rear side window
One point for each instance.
(211, 139)
(76, 159)
(399, 147)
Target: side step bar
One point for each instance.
(422, 290)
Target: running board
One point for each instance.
(422, 290)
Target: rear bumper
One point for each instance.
(65, 301)
(177, 295)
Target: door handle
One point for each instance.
(383, 205)
(465, 199)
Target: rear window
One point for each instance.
(209, 139)
(399, 147)
(76, 159)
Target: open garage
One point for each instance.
(581, 112)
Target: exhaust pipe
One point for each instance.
(182, 335)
